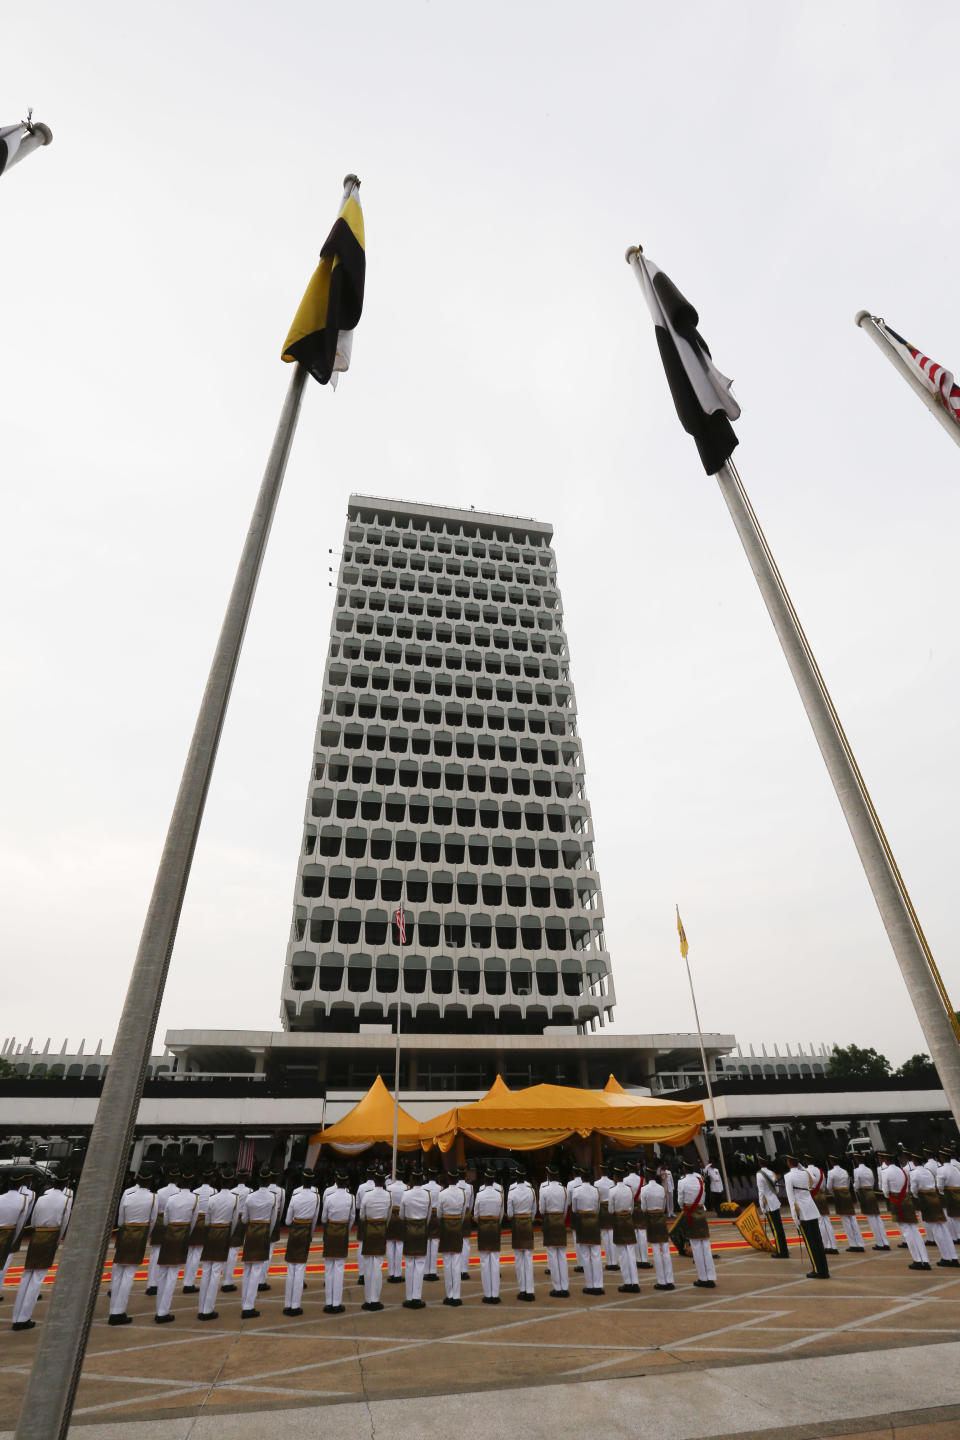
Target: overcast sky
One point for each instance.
(786, 169)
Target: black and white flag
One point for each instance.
(10, 138)
(700, 393)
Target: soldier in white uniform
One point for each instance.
(275, 1232)
(488, 1213)
(135, 1219)
(222, 1216)
(521, 1210)
(806, 1215)
(624, 1239)
(603, 1185)
(396, 1188)
(553, 1213)
(241, 1189)
(665, 1176)
(415, 1207)
(168, 1188)
(14, 1209)
(866, 1192)
(948, 1184)
(635, 1180)
(818, 1194)
(895, 1183)
(301, 1217)
(372, 1220)
(257, 1214)
(433, 1228)
(769, 1204)
(203, 1191)
(574, 1183)
(923, 1188)
(690, 1196)
(837, 1184)
(179, 1214)
(585, 1213)
(468, 1193)
(48, 1223)
(452, 1210)
(653, 1203)
(363, 1188)
(337, 1218)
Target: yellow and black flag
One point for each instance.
(684, 947)
(322, 331)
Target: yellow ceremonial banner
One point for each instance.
(751, 1228)
(684, 947)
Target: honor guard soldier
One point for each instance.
(372, 1224)
(690, 1196)
(488, 1213)
(574, 1183)
(621, 1210)
(168, 1186)
(467, 1189)
(838, 1185)
(452, 1209)
(203, 1193)
(415, 1208)
(819, 1196)
(923, 1188)
(275, 1231)
(769, 1205)
(48, 1224)
(257, 1214)
(337, 1218)
(865, 1190)
(135, 1219)
(366, 1184)
(634, 1178)
(604, 1185)
(13, 1217)
(553, 1213)
(521, 1209)
(433, 1227)
(948, 1184)
(806, 1215)
(241, 1189)
(896, 1188)
(180, 1213)
(301, 1218)
(396, 1188)
(585, 1208)
(653, 1202)
(221, 1219)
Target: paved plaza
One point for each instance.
(767, 1352)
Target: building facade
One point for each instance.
(448, 777)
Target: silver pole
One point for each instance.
(48, 1402)
(893, 901)
(935, 406)
(38, 134)
(706, 1076)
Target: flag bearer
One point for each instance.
(336, 1217)
(396, 1189)
(256, 1216)
(553, 1211)
(220, 1222)
(690, 1193)
(374, 1213)
(488, 1213)
(818, 1194)
(948, 1184)
(302, 1214)
(48, 1223)
(433, 1227)
(521, 1209)
(866, 1192)
(415, 1208)
(621, 1211)
(770, 1206)
(138, 1211)
(452, 1210)
(923, 1187)
(241, 1189)
(653, 1203)
(806, 1215)
(586, 1226)
(838, 1185)
(896, 1187)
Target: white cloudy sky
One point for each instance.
(786, 169)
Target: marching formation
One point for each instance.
(624, 1220)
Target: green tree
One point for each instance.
(7, 1071)
(919, 1067)
(850, 1062)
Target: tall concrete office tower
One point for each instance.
(447, 776)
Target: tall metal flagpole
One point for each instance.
(48, 1402)
(37, 134)
(684, 950)
(889, 890)
(396, 1089)
(868, 322)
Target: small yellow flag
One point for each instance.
(751, 1228)
(684, 947)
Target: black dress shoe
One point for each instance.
(611, 1267)
(394, 1279)
(448, 1300)
(855, 1249)
(881, 1247)
(262, 1286)
(227, 1289)
(948, 1264)
(152, 1290)
(464, 1275)
(812, 1275)
(167, 1319)
(23, 1325)
(919, 1265)
(644, 1264)
(578, 1269)
(491, 1299)
(628, 1289)
(525, 1295)
(664, 1287)
(371, 1305)
(338, 1309)
(559, 1294)
(431, 1278)
(249, 1314)
(119, 1320)
(595, 1291)
(705, 1284)
(191, 1289)
(294, 1310)
(209, 1315)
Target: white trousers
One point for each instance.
(627, 1259)
(166, 1285)
(592, 1267)
(642, 1250)
(152, 1263)
(4, 1268)
(609, 1254)
(433, 1250)
(27, 1292)
(333, 1281)
(249, 1283)
(451, 1274)
(210, 1273)
(662, 1264)
(523, 1264)
(911, 1233)
(360, 1269)
(490, 1271)
(557, 1261)
(703, 1259)
(827, 1235)
(193, 1265)
(395, 1258)
(373, 1277)
(121, 1283)
(465, 1256)
(414, 1269)
(953, 1224)
(941, 1234)
(671, 1208)
(852, 1230)
(230, 1269)
(293, 1289)
(878, 1229)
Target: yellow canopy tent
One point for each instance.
(542, 1115)
(370, 1121)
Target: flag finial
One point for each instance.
(631, 251)
(350, 179)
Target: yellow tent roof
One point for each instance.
(541, 1115)
(369, 1121)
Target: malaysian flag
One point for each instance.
(400, 921)
(934, 377)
